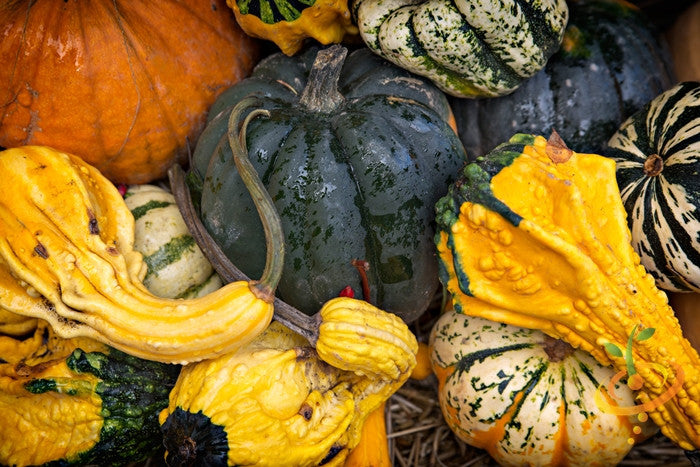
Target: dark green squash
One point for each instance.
(610, 64)
(657, 155)
(354, 159)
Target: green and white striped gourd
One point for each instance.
(469, 49)
(526, 398)
(657, 151)
(177, 268)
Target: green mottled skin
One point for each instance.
(133, 392)
(169, 253)
(140, 211)
(612, 62)
(271, 12)
(357, 182)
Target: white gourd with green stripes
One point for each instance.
(176, 266)
(476, 48)
(527, 400)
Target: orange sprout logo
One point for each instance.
(604, 396)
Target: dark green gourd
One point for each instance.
(354, 158)
(610, 64)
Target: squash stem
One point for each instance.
(321, 92)
(286, 314)
(272, 224)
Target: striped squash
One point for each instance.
(611, 63)
(469, 49)
(526, 398)
(176, 267)
(657, 151)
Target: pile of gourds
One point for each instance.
(535, 165)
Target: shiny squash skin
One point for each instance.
(612, 61)
(352, 177)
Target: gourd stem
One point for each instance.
(286, 314)
(272, 225)
(653, 165)
(218, 259)
(321, 92)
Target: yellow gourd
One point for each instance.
(67, 238)
(278, 401)
(30, 360)
(327, 21)
(77, 401)
(13, 324)
(535, 235)
(423, 368)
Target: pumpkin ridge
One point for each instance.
(681, 239)
(371, 242)
(483, 439)
(130, 53)
(544, 36)
(487, 58)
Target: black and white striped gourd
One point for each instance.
(657, 152)
(469, 49)
(177, 268)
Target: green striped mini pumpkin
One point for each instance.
(526, 398)
(469, 49)
(657, 151)
(176, 267)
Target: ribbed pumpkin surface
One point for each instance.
(122, 84)
(356, 181)
(657, 152)
(469, 49)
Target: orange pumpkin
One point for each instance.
(123, 84)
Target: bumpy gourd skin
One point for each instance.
(382, 346)
(545, 245)
(276, 402)
(77, 401)
(74, 423)
(67, 239)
